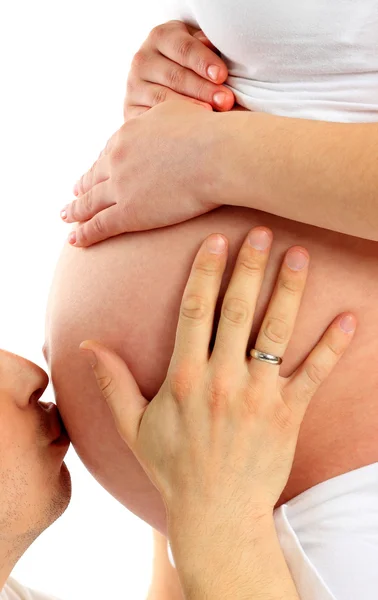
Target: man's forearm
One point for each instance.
(227, 562)
(315, 172)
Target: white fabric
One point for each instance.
(315, 59)
(15, 591)
(329, 537)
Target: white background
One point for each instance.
(63, 73)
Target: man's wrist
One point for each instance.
(212, 556)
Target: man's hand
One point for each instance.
(219, 438)
(176, 60)
(157, 170)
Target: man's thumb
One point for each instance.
(119, 389)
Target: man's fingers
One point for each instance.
(87, 206)
(240, 299)
(306, 380)
(174, 41)
(279, 320)
(119, 389)
(199, 300)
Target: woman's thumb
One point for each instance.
(118, 387)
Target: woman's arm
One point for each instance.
(316, 172)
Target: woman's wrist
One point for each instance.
(235, 158)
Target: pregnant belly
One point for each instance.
(126, 293)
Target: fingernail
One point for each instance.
(63, 213)
(348, 323)
(219, 98)
(259, 239)
(216, 244)
(296, 260)
(213, 72)
(90, 356)
(72, 237)
(76, 189)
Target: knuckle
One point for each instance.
(181, 378)
(204, 90)
(117, 154)
(184, 48)
(335, 350)
(107, 385)
(235, 311)
(176, 77)
(207, 267)
(82, 236)
(86, 202)
(250, 266)
(194, 308)
(174, 24)
(73, 210)
(291, 286)
(139, 60)
(276, 330)
(97, 225)
(158, 32)
(200, 64)
(218, 394)
(134, 83)
(159, 95)
(315, 373)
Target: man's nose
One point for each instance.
(26, 380)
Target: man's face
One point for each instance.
(35, 484)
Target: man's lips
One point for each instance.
(57, 434)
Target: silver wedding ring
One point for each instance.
(264, 357)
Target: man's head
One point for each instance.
(35, 485)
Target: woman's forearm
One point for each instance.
(316, 172)
(241, 561)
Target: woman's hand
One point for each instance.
(219, 438)
(176, 60)
(157, 170)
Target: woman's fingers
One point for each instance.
(174, 41)
(199, 300)
(89, 204)
(157, 69)
(239, 303)
(119, 389)
(104, 225)
(279, 320)
(305, 381)
(151, 94)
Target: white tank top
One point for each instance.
(15, 591)
(314, 59)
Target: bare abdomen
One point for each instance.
(126, 293)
